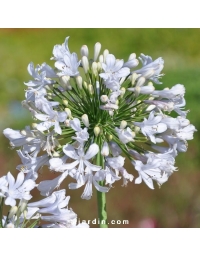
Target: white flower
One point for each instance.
(81, 134)
(51, 119)
(151, 69)
(125, 135)
(31, 165)
(114, 69)
(89, 180)
(152, 126)
(175, 91)
(46, 187)
(40, 79)
(17, 190)
(149, 172)
(81, 159)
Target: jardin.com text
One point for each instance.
(112, 222)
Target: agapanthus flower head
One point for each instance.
(87, 126)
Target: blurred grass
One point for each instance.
(177, 203)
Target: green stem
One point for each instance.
(1, 212)
(101, 197)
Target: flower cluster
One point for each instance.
(90, 116)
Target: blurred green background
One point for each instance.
(177, 203)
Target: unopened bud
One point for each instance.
(56, 154)
(23, 132)
(150, 108)
(132, 56)
(122, 80)
(134, 76)
(123, 90)
(97, 49)
(94, 68)
(65, 102)
(64, 81)
(105, 149)
(85, 85)
(105, 54)
(136, 129)
(137, 90)
(123, 124)
(84, 51)
(79, 81)
(110, 137)
(85, 120)
(99, 66)
(85, 64)
(104, 98)
(67, 123)
(101, 58)
(90, 89)
(68, 111)
(133, 134)
(111, 112)
(96, 131)
(23, 205)
(12, 212)
(34, 125)
(140, 81)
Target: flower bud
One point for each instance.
(85, 85)
(84, 51)
(104, 98)
(23, 132)
(56, 154)
(122, 80)
(23, 205)
(132, 56)
(140, 81)
(68, 111)
(67, 123)
(133, 78)
(111, 112)
(101, 58)
(137, 90)
(96, 130)
(123, 91)
(123, 124)
(150, 108)
(136, 129)
(34, 125)
(133, 134)
(12, 212)
(65, 102)
(97, 49)
(64, 81)
(99, 66)
(110, 137)
(85, 120)
(79, 81)
(90, 89)
(85, 64)
(105, 53)
(94, 68)
(105, 149)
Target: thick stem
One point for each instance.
(101, 197)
